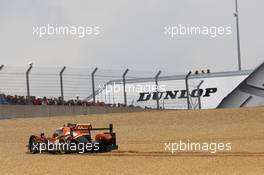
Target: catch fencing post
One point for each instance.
(27, 79)
(199, 95)
(61, 84)
(157, 88)
(124, 86)
(93, 84)
(1, 67)
(187, 89)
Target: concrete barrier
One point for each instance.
(20, 111)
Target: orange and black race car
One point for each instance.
(74, 138)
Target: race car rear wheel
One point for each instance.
(104, 146)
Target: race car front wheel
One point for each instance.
(33, 145)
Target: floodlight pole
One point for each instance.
(187, 89)
(238, 37)
(157, 88)
(27, 81)
(61, 84)
(93, 87)
(124, 86)
(199, 95)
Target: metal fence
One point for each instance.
(89, 84)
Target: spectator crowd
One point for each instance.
(22, 100)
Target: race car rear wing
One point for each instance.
(110, 128)
(113, 134)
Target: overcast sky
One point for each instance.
(132, 34)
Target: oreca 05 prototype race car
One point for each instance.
(72, 138)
